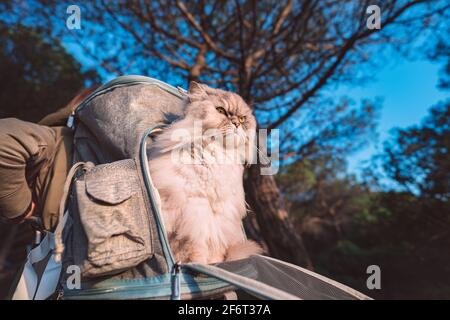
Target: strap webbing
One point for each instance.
(59, 245)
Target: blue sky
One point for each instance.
(408, 89)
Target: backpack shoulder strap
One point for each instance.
(59, 245)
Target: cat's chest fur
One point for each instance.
(207, 181)
(202, 200)
(217, 181)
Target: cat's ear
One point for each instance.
(197, 91)
(195, 87)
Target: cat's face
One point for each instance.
(222, 110)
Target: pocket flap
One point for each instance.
(111, 187)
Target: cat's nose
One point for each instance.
(236, 122)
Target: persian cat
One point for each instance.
(201, 192)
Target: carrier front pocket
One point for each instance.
(114, 217)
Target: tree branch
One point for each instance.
(190, 18)
(343, 52)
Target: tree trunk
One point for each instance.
(274, 225)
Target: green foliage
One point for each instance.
(402, 234)
(418, 158)
(37, 75)
(348, 226)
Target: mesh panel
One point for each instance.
(291, 279)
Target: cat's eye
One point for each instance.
(221, 110)
(241, 119)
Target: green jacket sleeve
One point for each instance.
(24, 148)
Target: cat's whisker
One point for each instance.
(261, 154)
(266, 159)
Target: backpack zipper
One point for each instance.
(175, 282)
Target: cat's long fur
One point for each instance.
(203, 204)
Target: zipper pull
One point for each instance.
(70, 119)
(60, 295)
(175, 275)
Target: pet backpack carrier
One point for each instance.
(110, 222)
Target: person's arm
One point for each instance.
(24, 148)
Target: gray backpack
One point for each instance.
(110, 222)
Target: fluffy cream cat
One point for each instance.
(203, 201)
